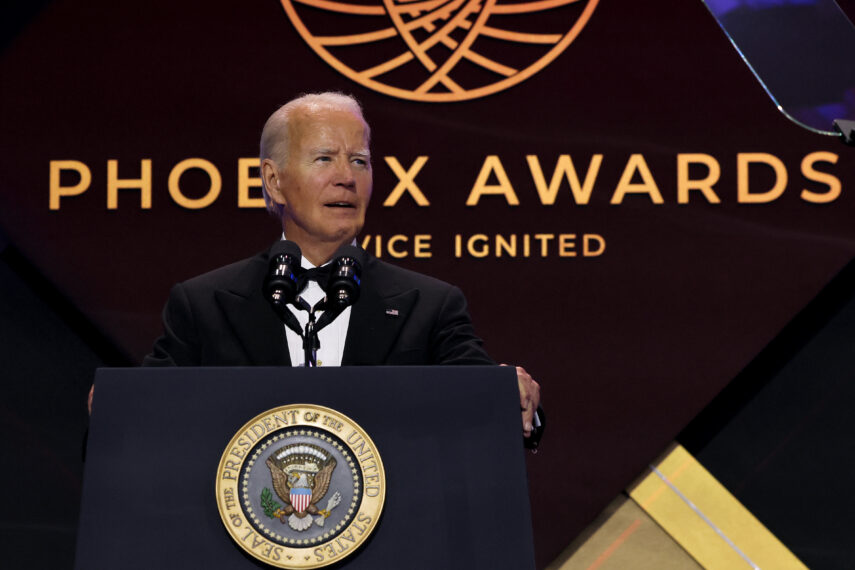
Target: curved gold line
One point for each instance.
(530, 6)
(464, 46)
(520, 37)
(419, 6)
(434, 15)
(487, 63)
(357, 38)
(452, 86)
(408, 37)
(449, 42)
(476, 93)
(386, 66)
(344, 8)
(459, 21)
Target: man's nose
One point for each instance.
(344, 174)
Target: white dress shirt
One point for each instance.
(331, 337)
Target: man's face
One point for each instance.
(326, 180)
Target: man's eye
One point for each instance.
(323, 159)
(360, 161)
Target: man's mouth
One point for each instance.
(339, 205)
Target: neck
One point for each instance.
(315, 250)
(318, 254)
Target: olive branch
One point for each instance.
(268, 504)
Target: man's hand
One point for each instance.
(529, 398)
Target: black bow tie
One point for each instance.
(319, 274)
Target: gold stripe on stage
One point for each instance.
(704, 518)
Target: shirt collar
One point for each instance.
(305, 263)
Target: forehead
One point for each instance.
(326, 126)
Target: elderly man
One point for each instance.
(316, 175)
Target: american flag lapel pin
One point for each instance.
(392, 312)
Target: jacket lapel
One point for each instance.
(256, 327)
(376, 320)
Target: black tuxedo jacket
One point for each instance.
(401, 318)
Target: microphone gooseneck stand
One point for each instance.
(311, 343)
(342, 290)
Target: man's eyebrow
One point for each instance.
(329, 150)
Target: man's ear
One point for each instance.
(270, 176)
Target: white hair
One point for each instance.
(274, 135)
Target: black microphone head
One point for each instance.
(352, 251)
(286, 247)
(346, 277)
(280, 284)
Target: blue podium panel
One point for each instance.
(449, 437)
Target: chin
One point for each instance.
(345, 236)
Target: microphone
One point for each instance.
(345, 278)
(280, 284)
(343, 285)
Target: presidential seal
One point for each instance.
(300, 486)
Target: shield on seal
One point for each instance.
(300, 498)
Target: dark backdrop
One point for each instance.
(628, 345)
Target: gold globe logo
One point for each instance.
(439, 50)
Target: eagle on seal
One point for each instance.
(301, 475)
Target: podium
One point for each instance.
(456, 493)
